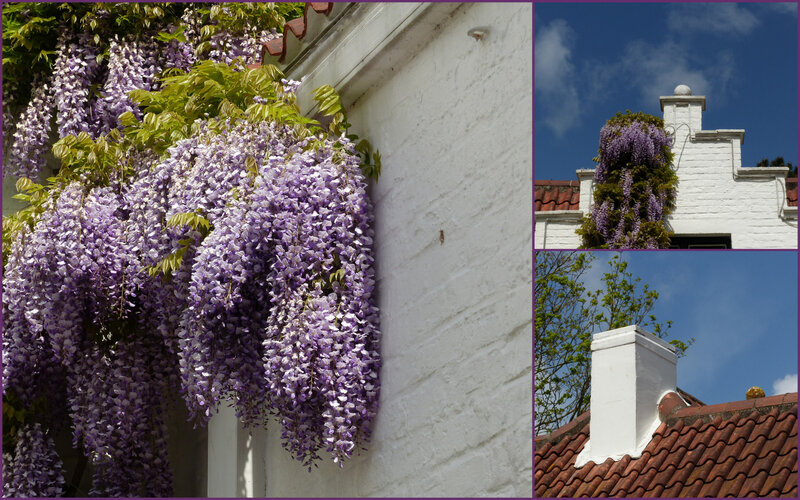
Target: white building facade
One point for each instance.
(718, 203)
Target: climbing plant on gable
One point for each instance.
(211, 242)
(634, 185)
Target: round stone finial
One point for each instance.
(683, 90)
(755, 392)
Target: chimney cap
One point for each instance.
(683, 99)
(682, 90)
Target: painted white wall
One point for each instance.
(715, 194)
(452, 120)
(556, 229)
(632, 369)
(236, 457)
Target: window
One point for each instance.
(688, 241)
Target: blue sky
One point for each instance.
(594, 59)
(740, 307)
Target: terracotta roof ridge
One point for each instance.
(783, 402)
(741, 448)
(576, 184)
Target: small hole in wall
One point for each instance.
(441, 236)
(478, 32)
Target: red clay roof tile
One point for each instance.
(556, 195)
(742, 448)
(297, 27)
(791, 192)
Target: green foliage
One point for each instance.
(214, 92)
(37, 196)
(329, 104)
(562, 338)
(779, 162)
(628, 118)
(31, 31)
(566, 315)
(238, 18)
(93, 162)
(192, 219)
(210, 91)
(172, 262)
(16, 414)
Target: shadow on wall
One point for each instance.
(188, 457)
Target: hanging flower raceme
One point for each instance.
(634, 185)
(74, 72)
(75, 275)
(297, 236)
(35, 469)
(27, 155)
(233, 265)
(132, 65)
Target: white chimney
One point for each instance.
(683, 112)
(632, 370)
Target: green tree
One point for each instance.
(778, 162)
(566, 316)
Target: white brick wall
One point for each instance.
(453, 124)
(715, 195)
(554, 233)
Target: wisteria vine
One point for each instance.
(223, 254)
(634, 185)
(87, 96)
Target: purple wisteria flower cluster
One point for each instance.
(634, 186)
(634, 144)
(66, 289)
(74, 72)
(35, 470)
(26, 157)
(132, 64)
(271, 307)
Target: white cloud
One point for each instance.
(593, 277)
(656, 69)
(781, 7)
(558, 106)
(720, 18)
(785, 384)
